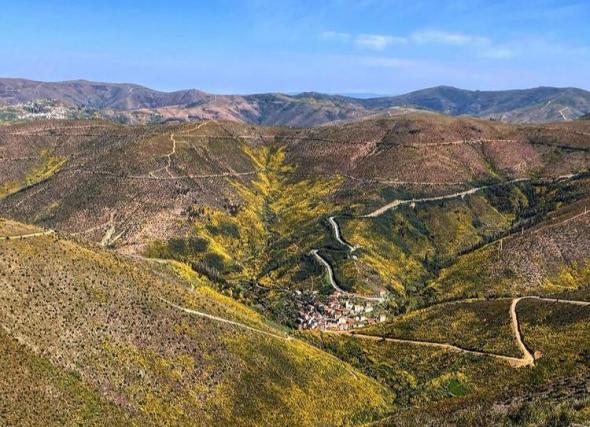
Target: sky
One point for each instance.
(382, 47)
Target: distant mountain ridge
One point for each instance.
(119, 96)
(138, 104)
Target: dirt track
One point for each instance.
(332, 279)
(527, 358)
(394, 204)
(28, 236)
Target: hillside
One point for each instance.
(543, 104)
(95, 95)
(549, 257)
(246, 205)
(137, 104)
(89, 336)
(240, 274)
(436, 384)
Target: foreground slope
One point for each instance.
(91, 335)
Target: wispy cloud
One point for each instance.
(377, 41)
(483, 46)
(448, 38)
(475, 45)
(498, 52)
(364, 41)
(336, 36)
(382, 41)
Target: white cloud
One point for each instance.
(377, 41)
(475, 45)
(444, 37)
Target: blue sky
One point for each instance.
(336, 46)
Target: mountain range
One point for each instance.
(135, 104)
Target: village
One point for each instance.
(41, 109)
(340, 312)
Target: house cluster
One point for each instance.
(39, 109)
(340, 312)
(45, 110)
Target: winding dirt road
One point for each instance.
(172, 152)
(396, 203)
(528, 357)
(333, 282)
(330, 270)
(392, 205)
(526, 360)
(336, 229)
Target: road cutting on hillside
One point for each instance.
(226, 321)
(336, 229)
(527, 358)
(330, 271)
(396, 203)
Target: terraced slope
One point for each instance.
(94, 329)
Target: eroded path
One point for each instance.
(226, 321)
(515, 362)
(233, 323)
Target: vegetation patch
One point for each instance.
(47, 165)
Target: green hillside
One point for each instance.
(90, 334)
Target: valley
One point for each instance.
(344, 274)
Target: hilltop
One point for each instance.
(132, 103)
(83, 93)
